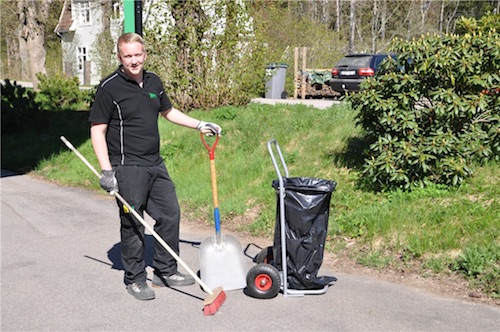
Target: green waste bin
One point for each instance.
(275, 85)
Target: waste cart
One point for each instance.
(293, 262)
(275, 85)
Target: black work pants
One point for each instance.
(147, 189)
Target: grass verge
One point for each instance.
(436, 229)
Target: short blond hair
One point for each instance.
(130, 37)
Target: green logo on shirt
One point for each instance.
(152, 95)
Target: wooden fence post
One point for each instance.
(296, 73)
(304, 61)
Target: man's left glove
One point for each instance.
(108, 182)
(209, 129)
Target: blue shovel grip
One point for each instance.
(217, 220)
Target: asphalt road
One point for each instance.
(60, 271)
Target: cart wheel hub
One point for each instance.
(263, 282)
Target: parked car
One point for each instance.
(352, 69)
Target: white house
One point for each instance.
(79, 25)
(81, 22)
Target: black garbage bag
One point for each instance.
(307, 208)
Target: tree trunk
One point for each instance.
(13, 69)
(325, 14)
(337, 16)
(8, 17)
(313, 10)
(452, 17)
(352, 26)
(374, 27)
(441, 17)
(32, 16)
(383, 21)
(424, 6)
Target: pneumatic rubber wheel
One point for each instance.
(264, 256)
(263, 281)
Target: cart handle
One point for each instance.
(273, 153)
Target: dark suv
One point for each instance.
(349, 72)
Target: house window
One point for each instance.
(83, 12)
(81, 57)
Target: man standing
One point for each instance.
(125, 137)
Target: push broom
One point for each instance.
(216, 297)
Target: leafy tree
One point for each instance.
(439, 113)
(206, 60)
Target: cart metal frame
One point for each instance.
(284, 273)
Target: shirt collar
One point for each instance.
(121, 72)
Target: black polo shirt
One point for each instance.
(131, 113)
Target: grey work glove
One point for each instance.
(209, 129)
(108, 182)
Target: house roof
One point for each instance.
(65, 19)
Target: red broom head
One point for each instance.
(214, 302)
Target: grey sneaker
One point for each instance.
(141, 291)
(176, 279)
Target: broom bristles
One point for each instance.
(214, 301)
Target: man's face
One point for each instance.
(132, 57)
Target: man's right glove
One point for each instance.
(209, 129)
(108, 182)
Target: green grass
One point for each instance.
(441, 230)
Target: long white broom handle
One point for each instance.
(141, 219)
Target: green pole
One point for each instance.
(129, 16)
